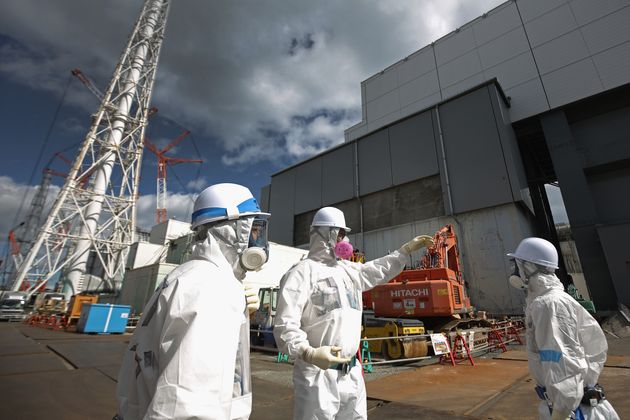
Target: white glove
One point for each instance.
(324, 357)
(252, 299)
(561, 415)
(416, 243)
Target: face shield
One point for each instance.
(257, 251)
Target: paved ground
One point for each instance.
(48, 374)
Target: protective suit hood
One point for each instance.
(541, 283)
(322, 244)
(223, 243)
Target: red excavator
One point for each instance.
(435, 289)
(431, 297)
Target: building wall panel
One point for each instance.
(500, 21)
(608, 31)
(412, 149)
(615, 244)
(528, 99)
(416, 65)
(383, 105)
(338, 175)
(308, 186)
(503, 48)
(514, 71)
(586, 11)
(603, 138)
(613, 65)
(282, 207)
(375, 170)
(417, 200)
(560, 52)
(471, 140)
(454, 45)
(380, 85)
(459, 69)
(572, 82)
(551, 25)
(419, 88)
(421, 104)
(265, 198)
(463, 85)
(383, 121)
(531, 9)
(609, 190)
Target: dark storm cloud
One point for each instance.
(235, 70)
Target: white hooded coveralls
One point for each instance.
(320, 303)
(566, 347)
(189, 355)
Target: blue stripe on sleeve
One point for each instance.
(550, 356)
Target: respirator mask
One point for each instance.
(516, 280)
(257, 252)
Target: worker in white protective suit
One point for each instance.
(189, 355)
(566, 348)
(318, 320)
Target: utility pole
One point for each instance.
(95, 211)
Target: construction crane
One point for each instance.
(98, 218)
(163, 161)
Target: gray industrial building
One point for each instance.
(469, 129)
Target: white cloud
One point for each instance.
(198, 184)
(244, 73)
(178, 206)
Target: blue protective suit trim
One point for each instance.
(550, 356)
(247, 206)
(579, 415)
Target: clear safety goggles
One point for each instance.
(258, 234)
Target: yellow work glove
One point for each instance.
(416, 243)
(561, 415)
(324, 357)
(251, 297)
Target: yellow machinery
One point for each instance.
(76, 304)
(402, 343)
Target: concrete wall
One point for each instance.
(485, 237)
(544, 53)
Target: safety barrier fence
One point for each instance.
(497, 336)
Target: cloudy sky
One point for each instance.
(261, 84)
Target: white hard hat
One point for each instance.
(331, 217)
(224, 202)
(537, 251)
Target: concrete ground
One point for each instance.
(50, 374)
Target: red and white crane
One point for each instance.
(164, 161)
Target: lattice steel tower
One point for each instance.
(96, 220)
